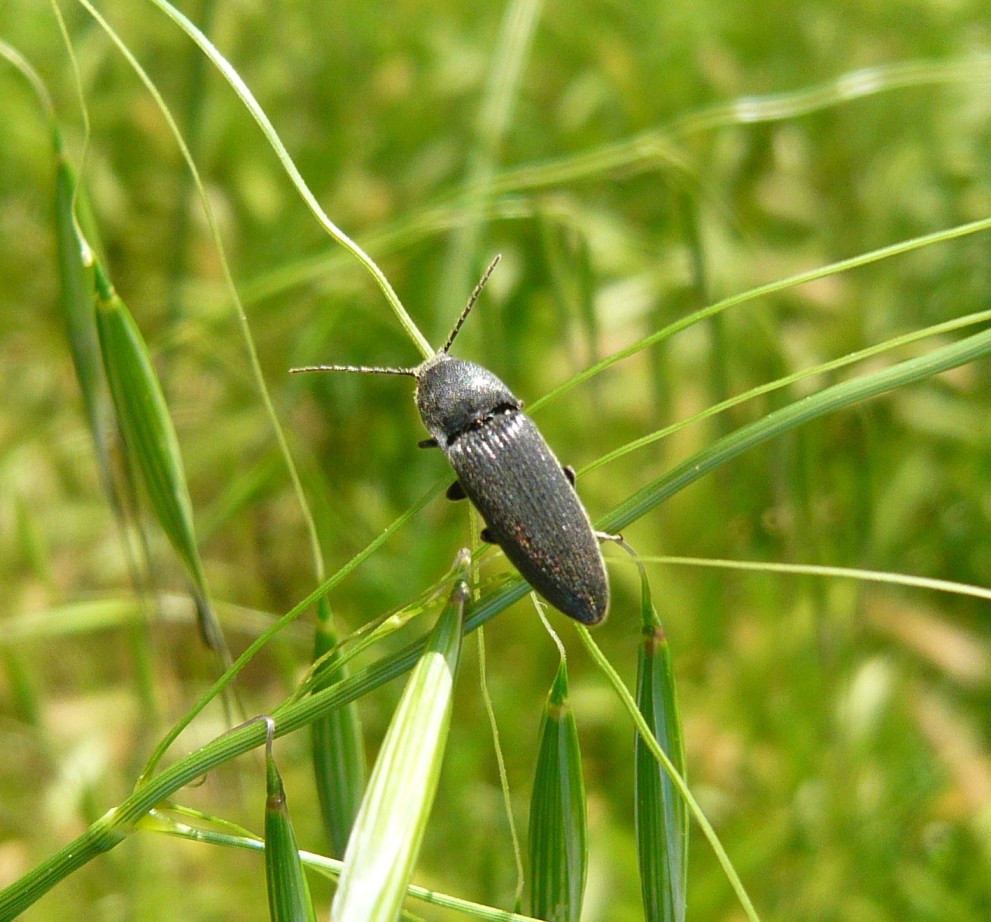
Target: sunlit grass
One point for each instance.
(746, 242)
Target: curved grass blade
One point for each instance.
(828, 400)
(76, 302)
(382, 852)
(150, 438)
(664, 144)
(109, 831)
(186, 823)
(944, 235)
(214, 224)
(660, 813)
(226, 69)
(558, 836)
(630, 707)
(338, 750)
(288, 894)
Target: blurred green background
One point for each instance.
(837, 731)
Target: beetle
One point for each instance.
(508, 471)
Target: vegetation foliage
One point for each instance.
(744, 290)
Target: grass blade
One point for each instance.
(382, 852)
(288, 895)
(558, 838)
(76, 303)
(828, 400)
(661, 815)
(105, 834)
(151, 441)
(338, 750)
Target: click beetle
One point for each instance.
(508, 471)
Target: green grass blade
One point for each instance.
(288, 895)
(558, 835)
(870, 354)
(662, 759)
(76, 303)
(151, 441)
(242, 318)
(268, 129)
(382, 852)
(508, 63)
(185, 823)
(661, 815)
(871, 257)
(338, 751)
(19, 895)
(20, 64)
(828, 400)
(664, 144)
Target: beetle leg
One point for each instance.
(455, 491)
(427, 443)
(569, 472)
(486, 536)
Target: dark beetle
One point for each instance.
(505, 467)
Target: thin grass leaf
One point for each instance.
(509, 57)
(225, 68)
(661, 814)
(903, 247)
(76, 304)
(288, 894)
(665, 144)
(105, 834)
(662, 758)
(828, 400)
(148, 433)
(382, 852)
(338, 749)
(558, 834)
(568, 259)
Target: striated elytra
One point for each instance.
(506, 468)
(508, 471)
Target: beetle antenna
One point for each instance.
(471, 303)
(361, 369)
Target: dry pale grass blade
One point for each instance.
(382, 851)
